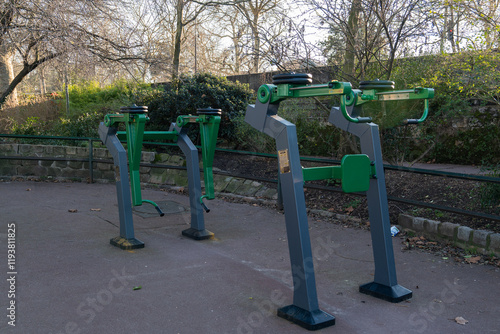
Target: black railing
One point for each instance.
(91, 160)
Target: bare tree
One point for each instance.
(365, 31)
(253, 11)
(35, 32)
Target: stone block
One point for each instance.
(431, 226)
(448, 230)
(53, 171)
(144, 170)
(8, 170)
(162, 157)
(102, 167)
(480, 238)
(48, 151)
(107, 175)
(25, 149)
(176, 160)
(40, 171)
(25, 170)
(70, 150)
(464, 233)
(100, 153)
(495, 243)
(221, 182)
(234, 185)
(83, 152)
(265, 192)
(38, 150)
(144, 178)
(177, 177)
(406, 221)
(30, 162)
(148, 156)
(8, 149)
(59, 151)
(418, 224)
(61, 164)
(46, 163)
(75, 164)
(248, 188)
(158, 176)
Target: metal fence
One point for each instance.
(91, 160)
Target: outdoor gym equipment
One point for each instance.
(358, 173)
(134, 118)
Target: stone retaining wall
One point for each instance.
(484, 241)
(104, 172)
(464, 237)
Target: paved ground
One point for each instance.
(71, 280)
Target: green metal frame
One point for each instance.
(135, 135)
(355, 171)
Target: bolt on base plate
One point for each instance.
(309, 320)
(126, 244)
(197, 234)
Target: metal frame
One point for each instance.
(385, 284)
(362, 172)
(305, 308)
(134, 119)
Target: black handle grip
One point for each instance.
(207, 210)
(159, 211)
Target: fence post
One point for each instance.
(91, 160)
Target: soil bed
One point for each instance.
(438, 190)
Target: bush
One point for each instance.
(189, 93)
(88, 96)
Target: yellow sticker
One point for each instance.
(335, 91)
(284, 161)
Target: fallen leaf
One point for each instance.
(137, 287)
(474, 259)
(349, 210)
(72, 210)
(29, 189)
(461, 321)
(95, 209)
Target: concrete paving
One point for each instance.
(69, 279)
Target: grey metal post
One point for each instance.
(385, 284)
(305, 310)
(126, 239)
(197, 230)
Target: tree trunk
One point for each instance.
(7, 76)
(177, 42)
(43, 86)
(351, 34)
(256, 44)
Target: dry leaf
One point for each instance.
(461, 321)
(95, 209)
(349, 210)
(29, 189)
(474, 259)
(72, 210)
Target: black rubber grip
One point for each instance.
(159, 211)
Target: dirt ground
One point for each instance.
(444, 191)
(437, 190)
